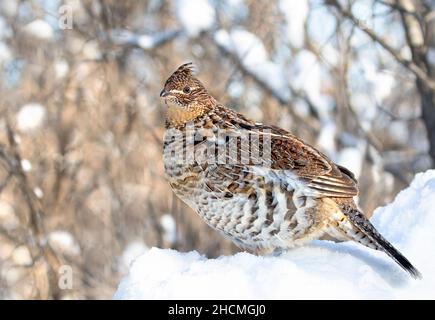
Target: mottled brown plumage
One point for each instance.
(259, 185)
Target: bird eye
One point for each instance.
(186, 90)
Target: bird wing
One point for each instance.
(303, 161)
(282, 152)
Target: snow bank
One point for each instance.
(321, 270)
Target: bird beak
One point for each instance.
(163, 93)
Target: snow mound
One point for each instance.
(321, 270)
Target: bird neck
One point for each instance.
(177, 116)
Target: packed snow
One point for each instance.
(321, 270)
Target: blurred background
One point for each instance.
(82, 190)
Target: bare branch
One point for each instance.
(410, 65)
(396, 6)
(395, 116)
(143, 41)
(314, 124)
(6, 181)
(414, 33)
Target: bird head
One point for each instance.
(185, 95)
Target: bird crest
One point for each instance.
(183, 73)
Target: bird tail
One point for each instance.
(357, 227)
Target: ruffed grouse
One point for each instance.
(257, 184)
